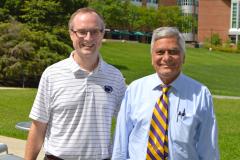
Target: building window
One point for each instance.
(234, 15)
(152, 1)
(187, 2)
(238, 15)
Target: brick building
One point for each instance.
(213, 16)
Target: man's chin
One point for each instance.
(168, 74)
(87, 52)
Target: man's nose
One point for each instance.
(88, 35)
(166, 55)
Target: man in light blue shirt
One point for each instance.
(192, 129)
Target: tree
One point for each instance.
(147, 20)
(113, 11)
(43, 14)
(169, 16)
(133, 17)
(4, 15)
(13, 7)
(24, 54)
(70, 6)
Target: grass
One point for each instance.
(227, 113)
(217, 70)
(133, 59)
(15, 105)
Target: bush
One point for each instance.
(215, 39)
(215, 43)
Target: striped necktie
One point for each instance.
(157, 148)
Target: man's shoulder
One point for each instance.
(193, 85)
(108, 68)
(145, 81)
(58, 65)
(189, 81)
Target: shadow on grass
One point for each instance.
(120, 67)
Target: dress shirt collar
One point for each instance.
(176, 85)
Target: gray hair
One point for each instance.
(164, 32)
(83, 11)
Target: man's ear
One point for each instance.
(71, 34)
(152, 58)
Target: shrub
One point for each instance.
(215, 39)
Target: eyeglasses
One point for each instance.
(174, 51)
(82, 33)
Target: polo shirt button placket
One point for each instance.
(87, 87)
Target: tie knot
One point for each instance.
(165, 88)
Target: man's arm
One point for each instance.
(207, 146)
(123, 129)
(35, 140)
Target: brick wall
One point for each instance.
(167, 2)
(213, 17)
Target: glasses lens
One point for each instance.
(83, 32)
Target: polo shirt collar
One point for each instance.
(74, 67)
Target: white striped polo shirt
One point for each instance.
(78, 108)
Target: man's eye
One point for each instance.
(173, 51)
(81, 32)
(160, 52)
(169, 51)
(94, 31)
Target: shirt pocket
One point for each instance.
(184, 130)
(183, 134)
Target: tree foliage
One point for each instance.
(13, 7)
(123, 15)
(24, 54)
(113, 12)
(42, 14)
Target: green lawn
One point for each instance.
(15, 106)
(227, 113)
(219, 71)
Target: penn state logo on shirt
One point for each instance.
(108, 89)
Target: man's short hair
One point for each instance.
(165, 32)
(82, 11)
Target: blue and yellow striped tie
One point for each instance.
(157, 148)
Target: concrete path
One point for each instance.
(225, 97)
(17, 146)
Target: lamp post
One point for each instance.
(210, 49)
(237, 37)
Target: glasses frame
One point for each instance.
(82, 33)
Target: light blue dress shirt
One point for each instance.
(192, 133)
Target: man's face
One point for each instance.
(167, 59)
(86, 34)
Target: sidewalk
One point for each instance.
(225, 97)
(17, 146)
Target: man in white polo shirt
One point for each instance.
(77, 98)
